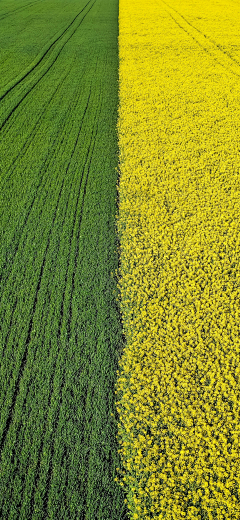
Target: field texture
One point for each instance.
(60, 337)
(178, 391)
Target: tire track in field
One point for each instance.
(46, 66)
(21, 8)
(73, 280)
(24, 360)
(48, 161)
(28, 336)
(32, 133)
(49, 237)
(46, 165)
(76, 225)
(9, 274)
(44, 169)
(5, 341)
(42, 182)
(67, 169)
(39, 58)
(89, 157)
(209, 45)
(25, 401)
(8, 349)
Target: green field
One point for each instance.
(61, 335)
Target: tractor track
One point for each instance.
(42, 70)
(21, 8)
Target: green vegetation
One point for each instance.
(61, 333)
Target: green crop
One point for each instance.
(60, 327)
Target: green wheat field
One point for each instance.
(61, 332)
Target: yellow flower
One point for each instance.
(178, 224)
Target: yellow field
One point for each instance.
(178, 392)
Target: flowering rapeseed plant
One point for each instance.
(179, 219)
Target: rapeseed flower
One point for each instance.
(178, 392)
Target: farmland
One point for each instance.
(178, 392)
(60, 332)
(119, 260)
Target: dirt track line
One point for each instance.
(81, 212)
(209, 45)
(49, 161)
(37, 473)
(61, 312)
(49, 476)
(37, 469)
